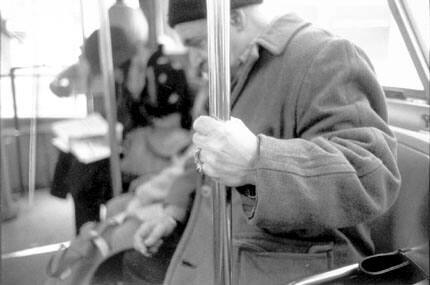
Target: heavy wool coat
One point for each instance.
(326, 162)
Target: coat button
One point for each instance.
(206, 190)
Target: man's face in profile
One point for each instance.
(194, 36)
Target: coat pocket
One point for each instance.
(278, 267)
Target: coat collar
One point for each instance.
(276, 38)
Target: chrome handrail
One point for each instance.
(328, 276)
(218, 30)
(106, 60)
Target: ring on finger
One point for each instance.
(197, 161)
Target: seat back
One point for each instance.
(406, 224)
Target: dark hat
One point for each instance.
(188, 10)
(122, 49)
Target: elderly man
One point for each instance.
(308, 151)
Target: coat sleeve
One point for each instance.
(341, 169)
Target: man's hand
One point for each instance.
(228, 150)
(149, 237)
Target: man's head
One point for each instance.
(188, 17)
(181, 11)
(122, 49)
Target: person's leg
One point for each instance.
(90, 187)
(122, 236)
(60, 185)
(87, 208)
(118, 204)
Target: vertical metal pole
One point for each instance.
(33, 137)
(218, 30)
(17, 128)
(106, 60)
(89, 97)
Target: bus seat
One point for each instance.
(406, 223)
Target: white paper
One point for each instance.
(86, 138)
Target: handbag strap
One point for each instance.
(60, 264)
(96, 236)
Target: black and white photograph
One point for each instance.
(214, 142)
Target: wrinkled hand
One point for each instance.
(149, 237)
(228, 150)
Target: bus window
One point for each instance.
(30, 38)
(370, 24)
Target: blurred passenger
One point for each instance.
(166, 102)
(159, 158)
(89, 184)
(165, 91)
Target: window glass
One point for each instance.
(48, 33)
(39, 33)
(421, 13)
(370, 25)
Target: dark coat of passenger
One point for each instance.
(326, 162)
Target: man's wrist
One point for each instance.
(251, 173)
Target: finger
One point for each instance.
(206, 125)
(209, 170)
(207, 157)
(154, 249)
(200, 140)
(155, 235)
(140, 236)
(143, 232)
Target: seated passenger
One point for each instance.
(158, 158)
(165, 81)
(166, 102)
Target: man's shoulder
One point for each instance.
(293, 34)
(310, 41)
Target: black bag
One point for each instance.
(404, 266)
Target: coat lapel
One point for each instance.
(275, 40)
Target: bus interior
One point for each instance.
(42, 39)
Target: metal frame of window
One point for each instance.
(413, 40)
(410, 108)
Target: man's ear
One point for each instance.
(238, 19)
